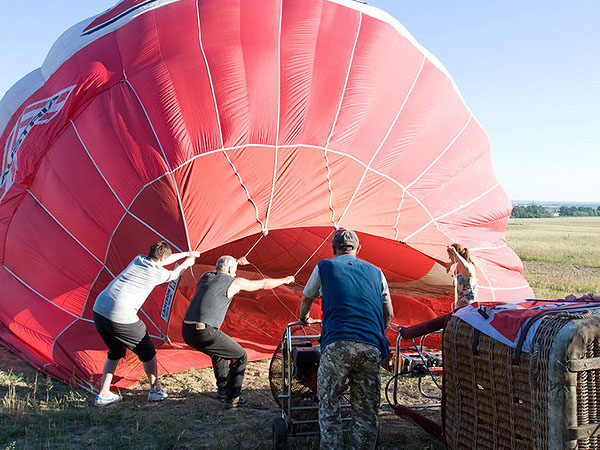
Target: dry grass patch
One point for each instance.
(560, 255)
(554, 281)
(39, 413)
(560, 240)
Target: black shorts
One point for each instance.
(118, 336)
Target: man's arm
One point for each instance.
(386, 298)
(177, 271)
(388, 313)
(305, 309)
(311, 291)
(174, 257)
(243, 284)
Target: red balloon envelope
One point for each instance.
(235, 126)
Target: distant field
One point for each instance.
(561, 255)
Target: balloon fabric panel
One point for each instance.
(235, 127)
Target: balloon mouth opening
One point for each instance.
(296, 251)
(419, 285)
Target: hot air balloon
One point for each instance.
(243, 127)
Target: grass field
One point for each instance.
(560, 255)
(39, 413)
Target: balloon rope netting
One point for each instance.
(167, 340)
(295, 274)
(294, 314)
(273, 290)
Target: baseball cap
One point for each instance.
(345, 240)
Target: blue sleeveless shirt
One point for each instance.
(351, 302)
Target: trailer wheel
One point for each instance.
(280, 434)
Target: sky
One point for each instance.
(528, 70)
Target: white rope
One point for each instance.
(214, 96)
(255, 244)
(96, 165)
(59, 335)
(383, 141)
(82, 310)
(63, 227)
(275, 293)
(166, 160)
(117, 197)
(408, 186)
(275, 162)
(43, 297)
(339, 108)
(329, 188)
(84, 385)
(397, 231)
(451, 212)
(442, 153)
(498, 247)
(319, 148)
(487, 279)
(313, 253)
(490, 288)
(312, 147)
(212, 88)
(163, 335)
(126, 212)
(158, 233)
(262, 225)
(345, 82)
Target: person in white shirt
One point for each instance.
(116, 320)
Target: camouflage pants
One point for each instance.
(358, 364)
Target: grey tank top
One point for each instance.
(210, 302)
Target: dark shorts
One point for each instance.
(119, 336)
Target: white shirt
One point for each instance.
(120, 301)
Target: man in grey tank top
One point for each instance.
(116, 320)
(205, 315)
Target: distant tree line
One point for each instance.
(530, 211)
(533, 211)
(578, 211)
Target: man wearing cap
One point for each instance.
(357, 308)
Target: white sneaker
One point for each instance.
(105, 401)
(157, 396)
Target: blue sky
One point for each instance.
(528, 70)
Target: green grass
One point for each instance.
(560, 255)
(39, 413)
(560, 240)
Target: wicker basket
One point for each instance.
(496, 398)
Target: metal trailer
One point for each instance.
(416, 360)
(293, 380)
